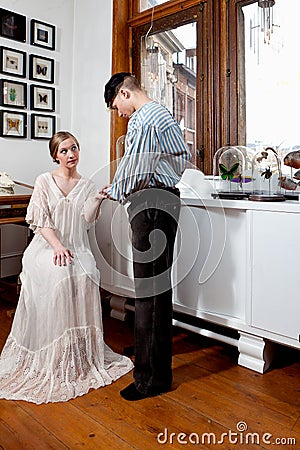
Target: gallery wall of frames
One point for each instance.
(27, 94)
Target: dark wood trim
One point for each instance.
(15, 199)
(205, 122)
(161, 11)
(236, 102)
(120, 63)
(15, 211)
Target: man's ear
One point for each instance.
(124, 93)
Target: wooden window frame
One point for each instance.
(220, 111)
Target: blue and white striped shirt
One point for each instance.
(155, 152)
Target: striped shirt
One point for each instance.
(155, 152)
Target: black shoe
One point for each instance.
(128, 351)
(131, 393)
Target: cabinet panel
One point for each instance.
(276, 272)
(13, 241)
(210, 268)
(111, 245)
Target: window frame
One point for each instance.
(220, 113)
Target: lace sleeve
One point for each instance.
(92, 204)
(38, 214)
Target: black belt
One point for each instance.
(172, 189)
(135, 197)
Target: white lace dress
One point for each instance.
(55, 350)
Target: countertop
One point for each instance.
(191, 198)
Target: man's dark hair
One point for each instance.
(113, 85)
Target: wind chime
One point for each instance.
(266, 18)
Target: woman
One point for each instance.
(55, 350)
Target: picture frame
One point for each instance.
(41, 69)
(42, 98)
(13, 124)
(12, 25)
(12, 62)
(42, 126)
(42, 34)
(13, 94)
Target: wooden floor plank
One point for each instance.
(63, 421)
(108, 407)
(21, 431)
(283, 412)
(230, 413)
(296, 426)
(278, 384)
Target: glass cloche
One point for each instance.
(266, 175)
(232, 172)
(290, 177)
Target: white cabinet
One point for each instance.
(111, 246)
(209, 273)
(275, 248)
(237, 265)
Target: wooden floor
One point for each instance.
(211, 397)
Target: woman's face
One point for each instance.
(68, 153)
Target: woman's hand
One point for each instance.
(101, 196)
(104, 191)
(62, 256)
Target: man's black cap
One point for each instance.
(111, 87)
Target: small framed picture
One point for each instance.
(12, 62)
(42, 34)
(13, 94)
(42, 126)
(41, 69)
(13, 124)
(12, 25)
(42, 98)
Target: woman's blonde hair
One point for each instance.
(57, 139)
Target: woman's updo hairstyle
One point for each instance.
(56, 140)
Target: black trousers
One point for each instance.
(153, 215)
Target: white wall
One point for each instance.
(92, 69)
(83, 64)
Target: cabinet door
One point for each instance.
(276, 272)
(210, 264)
(111, 246)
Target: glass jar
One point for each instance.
(266, 175)
(231, 171)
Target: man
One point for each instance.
(154, 160)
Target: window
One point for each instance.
(146, 4)
(191, 114)
(166, 76)
(223, 90)
(165, 52)
(272, 76)
(198, 80)
(179, 109)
